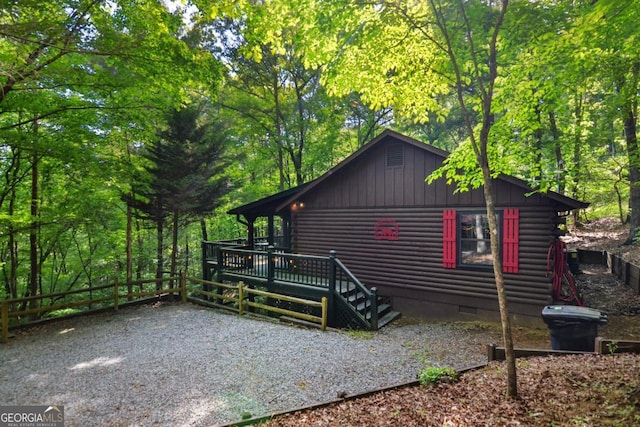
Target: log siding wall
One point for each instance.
(411, 267)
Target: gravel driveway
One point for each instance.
(185, 365)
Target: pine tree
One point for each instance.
(185, 175)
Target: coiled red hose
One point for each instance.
(558, 266)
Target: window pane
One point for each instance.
(475, 248)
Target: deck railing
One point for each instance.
(273, 265)
(348, 284)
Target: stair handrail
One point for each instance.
(370, 294)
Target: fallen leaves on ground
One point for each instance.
(573, 390)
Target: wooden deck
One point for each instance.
(351, 304)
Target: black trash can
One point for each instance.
(573, 328)
(573, 261)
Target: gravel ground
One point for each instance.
(181, 364)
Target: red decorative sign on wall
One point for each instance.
(386, 229)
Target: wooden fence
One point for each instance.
(601, 346)
(110, 296)
(627, 272)
(241, 298)
(95, 299)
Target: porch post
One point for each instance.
(250, 231)
(250, 239)
(286, 231)
(205, 266)
(270, 230)
(219, 271)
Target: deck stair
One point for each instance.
(351, 303)
(362, 304)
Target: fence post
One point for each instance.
(324, 313)
(5, 322)
(241, 298)
(115, 295)
(205, 267)
(183, 286)
(491, 352)
(374, 308)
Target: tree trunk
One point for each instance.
(296, 155)
(174, 247)
(538, 134)
(12, 244)
(555, 134)
(12, 280)
(140, 245)
(634, 171)
(203, 229)
(129, 250)
(480, 147)
(33, 232)
(577, 152)
(489, 194)
(159, 252)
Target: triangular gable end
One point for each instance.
(565, 203)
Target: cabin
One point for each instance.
(423, 249)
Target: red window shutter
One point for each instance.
(449, 239)
(510, 228)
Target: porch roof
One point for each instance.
(269, 205)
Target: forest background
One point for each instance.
(129, 127)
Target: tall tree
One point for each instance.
(611, 43)
(82, 70)
(447, 47)
(185, 175)
(280, 110)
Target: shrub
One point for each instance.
(435, 374)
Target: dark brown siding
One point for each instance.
(411, 267)
(368, 182)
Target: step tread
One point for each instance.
(388, 318)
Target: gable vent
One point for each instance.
(395, 155)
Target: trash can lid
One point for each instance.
(572, 312)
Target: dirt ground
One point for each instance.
(576, 390)
(601, 290)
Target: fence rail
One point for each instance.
(245, 292)
(110, 296)
(95, 298)
(240, 297)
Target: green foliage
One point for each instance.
(83, 83)
(359, 334)
(434, 374)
